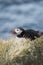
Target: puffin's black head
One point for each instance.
(18, 31)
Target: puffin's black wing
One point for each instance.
(32, 34)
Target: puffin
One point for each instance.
(29, 33)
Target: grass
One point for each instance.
(21, 52)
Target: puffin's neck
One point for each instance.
(21, 35)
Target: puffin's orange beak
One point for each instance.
(13, 32)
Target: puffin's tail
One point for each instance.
(40, 33)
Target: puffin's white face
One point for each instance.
(18, 31)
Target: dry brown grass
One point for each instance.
(21, 52)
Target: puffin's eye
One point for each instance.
(17, 30)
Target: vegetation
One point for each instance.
(21, 52)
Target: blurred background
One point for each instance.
(20, 13)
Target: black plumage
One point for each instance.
(32, 34)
